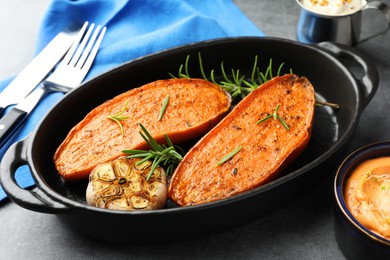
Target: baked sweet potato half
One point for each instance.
(262, 135)
(194, 107)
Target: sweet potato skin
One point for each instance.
(267, 148)
(97, 139)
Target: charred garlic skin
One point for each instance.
(121, 185)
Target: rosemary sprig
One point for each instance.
(119, 117)
(240, 85)
(275, 116)
(163, 108)
(229, 155)
(237, 84)
(160, 154)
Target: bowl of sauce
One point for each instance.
(333, 7)
(362, 203)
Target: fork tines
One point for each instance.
(85, 47)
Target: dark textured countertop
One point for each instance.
(302, 230)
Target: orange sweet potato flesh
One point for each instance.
(266, 148)
(194, 107)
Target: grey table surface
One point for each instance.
(301, 230)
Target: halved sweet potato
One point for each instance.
(194, 107)
(266, 147)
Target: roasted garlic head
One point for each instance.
(121, 184)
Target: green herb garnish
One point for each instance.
(384, 187)
(118, 118)
(166, 155)
(229, 155)
(275, 116)
(163, 108)
(237, 84)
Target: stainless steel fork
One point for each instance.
(68, 75)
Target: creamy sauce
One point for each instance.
(334, 7)
(367, 195)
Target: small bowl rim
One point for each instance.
(344, 171)
(329, 16)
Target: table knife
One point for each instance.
(36, 70)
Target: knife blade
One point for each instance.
(15, 117)
(36, 70)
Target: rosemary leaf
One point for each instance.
(283, 122)
(146, 158)
(117, 118)
(151, 142)
(224, 74)
(181, 69)
(155, 163)
(264, 119)
(280, 69)
(276, 112)
(263, 78)
(163, 108)
(201, 66)
(213, 77)
(254, 70)
(169, 142)
(186, 66)
(169, 170)
(136, 154)
(269, 69)
(229, 155)
(275, 116)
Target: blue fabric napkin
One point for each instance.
(134, 28)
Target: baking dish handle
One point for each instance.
(369, 81)
(34, 199)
